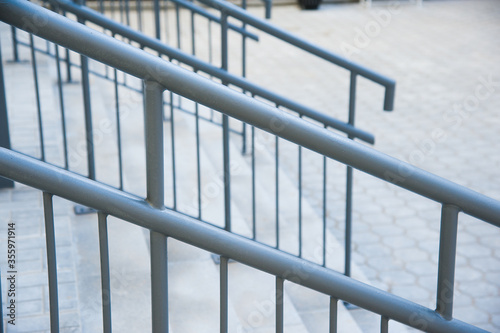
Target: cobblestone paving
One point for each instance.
(445, 59)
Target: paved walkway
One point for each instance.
(444, 57)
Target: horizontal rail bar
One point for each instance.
(81, 39)
(244, 16)
(199, 65)
(108, 200)
(50, 243)
(72, 7)
(4, 125)
(198, 10)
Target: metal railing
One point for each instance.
(85, 14)
(150, 213)
(169, 224)
(228, 10)
(240, 82)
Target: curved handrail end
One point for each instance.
(390, 93)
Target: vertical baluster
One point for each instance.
(88, 117)
(193, 41)
(167, 29)
(120, 6)
(254, 204)
(153, 95)
(127, 12)
(61, 105)
(348, 224)
(210, 42)
(139, 14)
(300, 202)
(225, 127)
(446, 263)
(112, 7)
(349, 175)
(157, 19)
(127, 22)
(227, 174)
(333, 314)
(68, 61)
(277, 187)
(15, 49)
(244, 73)
(105, 275)
(1, 303)
(279, 304)
(197, 120)
(4, 123)
(84, 61)
(244, 139)
(172, 142)
(101, 6)
(210, 56)
(198, 161)
(223, 294)
(268, 5)
(37, 93)
(324, 210)
(50, 239)
(384, 324)
(178, 25)
(68, 67)
(118, 130)
(179, 44)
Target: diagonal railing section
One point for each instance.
(159, 76)
(85, 14)
(288, 269)
(226, 11)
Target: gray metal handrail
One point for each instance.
(135, 62)
(229, 9)
(110, 201)
(154, 44)
(160, 75)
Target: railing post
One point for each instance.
(224, 321)
(4, 123)
(349, 175)
(225, 127)
(153, 107)
(1, 307)
(15, 52)
(89, 135)
(50, 241)
(105, 274)
(446, 264)
(37, 95)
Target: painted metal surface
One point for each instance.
(111, 201)
(4, 122)
(150, 213)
